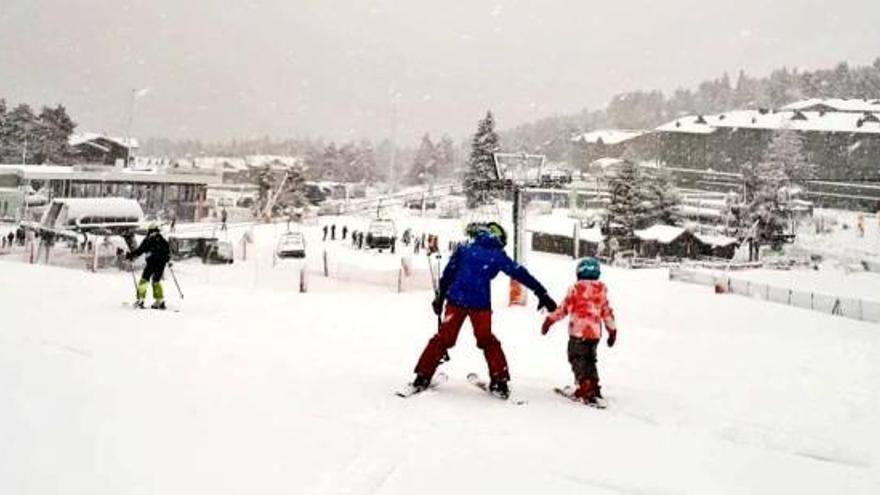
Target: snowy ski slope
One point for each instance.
(268, 391)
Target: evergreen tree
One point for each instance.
(50, 137)
(662, 197)
(481, 166)
(764, 203)
(330, 162)
(293, 194)
(367, 168)
(424, 168)
(786, 150)
(628, 207)
(444, 157)
(4, 132)
(347, 164)
(18, 134)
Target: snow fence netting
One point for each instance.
(858, 309)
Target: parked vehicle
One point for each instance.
(209, 249)
(381, 233)
(291, 245)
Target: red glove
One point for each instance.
(612, 337)
(545, 327)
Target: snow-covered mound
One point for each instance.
(261, 391)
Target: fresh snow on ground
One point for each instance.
(256, 388)
(843, 241)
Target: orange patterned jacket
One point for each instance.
(587, 304)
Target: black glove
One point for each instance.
(612, 337)
(546, 302)
(437, 304)
(129, 256)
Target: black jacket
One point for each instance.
(155, 247)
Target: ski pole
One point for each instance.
(133, 278)
(174, 277)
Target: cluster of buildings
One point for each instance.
(185, 189)
(109, 169)
(840, 136)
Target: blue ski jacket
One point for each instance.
(466, 280)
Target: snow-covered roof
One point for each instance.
(715, 240)
(551, 224)
(85, 137)
(664, 234)
(280, 161)
(692, 124)
(101, 207)
(787, 119)
(606, 162)
(608, 136)
(593, 235)
(220, 163)
(107, 174)
(851, 105)
(562, 226)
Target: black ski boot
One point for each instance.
(139, 304)
(421, 383)
(499, 388)
(159, 305)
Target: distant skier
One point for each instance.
(344, 232)
(223, 217)
(587, 305)
(158, 254)
(325, 233)
(466, 285)
(333, 232)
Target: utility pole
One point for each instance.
(128, 131)
(391, 163)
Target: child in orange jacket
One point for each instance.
(587, 305)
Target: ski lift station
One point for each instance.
(158, 192)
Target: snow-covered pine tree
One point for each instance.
(293, 194)
(368, 171)
(444, 157)
(330, 162)
(481, 165)
(626, 210)
(764, 206)
(662, 197)
(786, 149)
(424, 168)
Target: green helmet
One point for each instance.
(497, 231)
(153, 226)
(588, 269)
(472, 229)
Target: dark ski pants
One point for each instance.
(447, 334)
(582, 357)
(153, 271)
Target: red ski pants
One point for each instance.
(447, 334)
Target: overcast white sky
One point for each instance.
(218, 69)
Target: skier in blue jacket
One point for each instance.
(465, 287)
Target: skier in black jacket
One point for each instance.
(158, 254)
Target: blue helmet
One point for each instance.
(588, 269)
